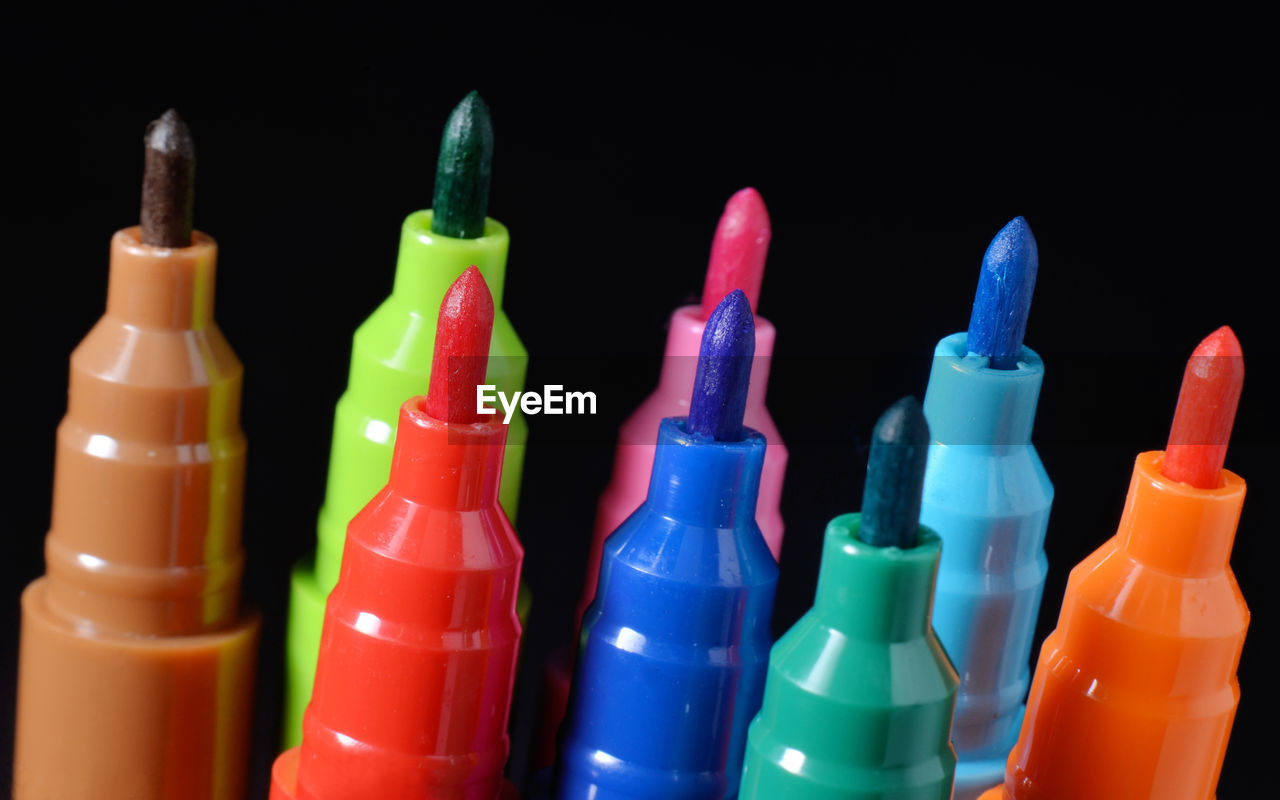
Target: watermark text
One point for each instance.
(553, 400)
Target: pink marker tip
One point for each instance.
(738, 251)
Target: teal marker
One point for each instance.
(859, 694)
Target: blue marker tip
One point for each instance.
(1000, 307)
(724, 370)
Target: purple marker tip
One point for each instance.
(724, 370)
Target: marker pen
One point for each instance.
(417, 659)
(1136, 689)
(675, 646)
(988, 497)
(737, 262)
(390, 360)
(858, 702)
(136, 669)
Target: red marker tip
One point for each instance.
(738, 250)
(461, 354)
(1206, 411)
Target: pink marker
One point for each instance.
(737, 262)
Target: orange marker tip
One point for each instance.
(1206, 411)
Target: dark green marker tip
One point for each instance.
(895, 477)
(462, 173)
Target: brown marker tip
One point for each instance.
(168, 182)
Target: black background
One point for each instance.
(1141, 162)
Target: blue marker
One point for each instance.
(673, 650)
(987, 495)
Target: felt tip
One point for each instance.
(724, 370)
(1206, 411)
(895, 477)
(738, 250)
(461, 355)
(1003, 300)
(168, 182)
(462, 172)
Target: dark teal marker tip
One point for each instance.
(895, 477)
(462, 173)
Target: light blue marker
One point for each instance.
(987, 495)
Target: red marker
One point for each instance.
(418, 655)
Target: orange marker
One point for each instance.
(1136, 689)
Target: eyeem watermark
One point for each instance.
(553, 400)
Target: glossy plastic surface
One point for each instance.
(418, 655)
(1136, 690)
(136, 631)
(633, 461)
(674, 649)
(633, 458)
(391, 360)
(987, 495)
(859, 697)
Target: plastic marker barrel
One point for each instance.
(737, 261)
(391, 360)
(417, 660)
(674, 648)
(859, 698)
(137, 661)
(1135, 691)
(987, 495)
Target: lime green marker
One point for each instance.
(391, 362)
